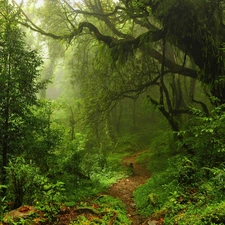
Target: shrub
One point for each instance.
(22, 181)
(205, 137)
(3, 206)
(27, 186)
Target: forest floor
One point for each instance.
(124, 188)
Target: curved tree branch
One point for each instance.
(99, 13)
(118, 46)
(137, 91)
(108, 40)
(203, 105)
(78, 11)
(123, 45)
(39, 30)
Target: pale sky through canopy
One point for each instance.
(39, 2)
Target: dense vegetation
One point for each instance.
(85, 83)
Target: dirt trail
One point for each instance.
(125, 187)
(123, 190)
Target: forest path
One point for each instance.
(124, 188)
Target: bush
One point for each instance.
(27, 186)
(3, 206)
(205, 137)
(160, 186)
(22, 181)
(208, 214)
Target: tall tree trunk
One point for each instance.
(134, 115)
(5, 138)
(109, 130)
(72, 124)
(117, 115)
(47, 74)
(192, 89)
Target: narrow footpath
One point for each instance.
(125, 187)
(122, 189)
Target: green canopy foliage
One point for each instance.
(24, 121)
(166, 42)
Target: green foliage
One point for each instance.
(22, 181)
(50, 198)
(80, 161)
(208, 214)
(129, 143)
(19, 82)
(86, 170)
(27, 186)
(115, 205)
(218, 177)
(46, 138)
(205, 137)
(3, 206)
(186, 172)
(78, 185)
(191, 189)
(159, 187)
(167, 196)
(161, 147)
(105, 210)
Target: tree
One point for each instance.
(158, 29)
(19, 74)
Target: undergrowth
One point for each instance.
(102, 210)
(82, 174)
(182, 195)
(187, 186)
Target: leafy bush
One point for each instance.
(116, 206)
(22, 181)
(105, 210)
(27, 186)
(205, 137)
(161, 185)
(191, 189)
(218, 178)
(3, 206)
(187, 171)
(207, 214)
(50, 198)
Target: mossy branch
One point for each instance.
(106, 39)
(121, 48)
